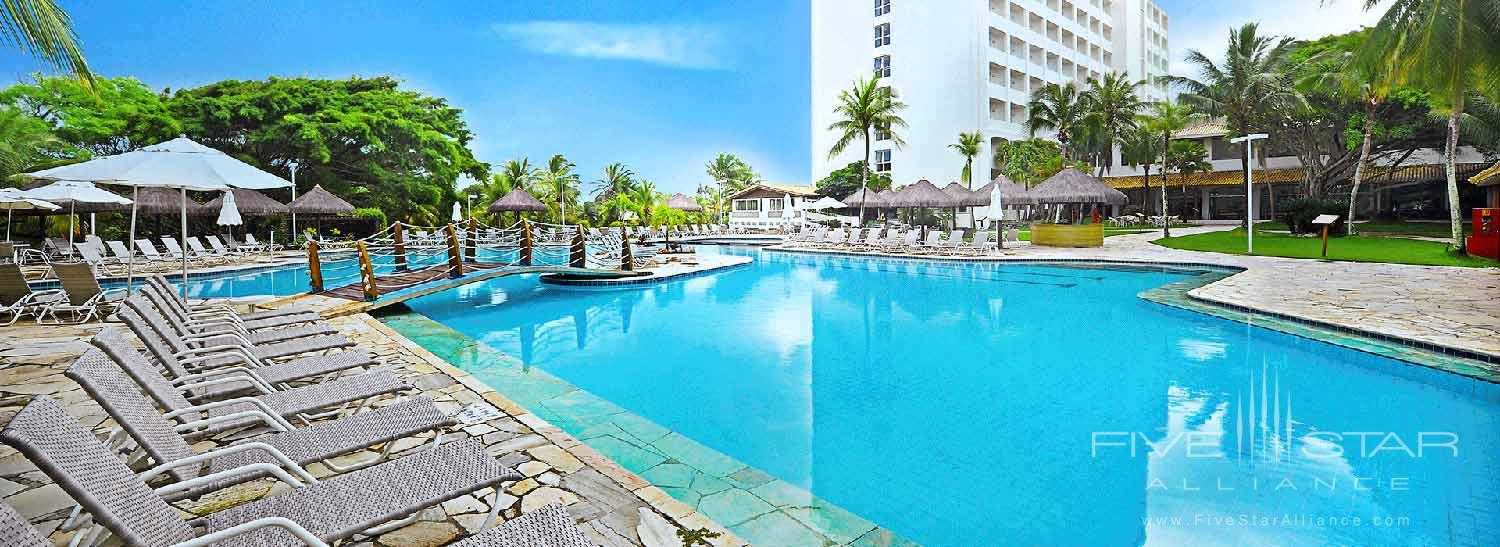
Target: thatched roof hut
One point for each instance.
(1010, 192)
(885, 197)
(516, 200)
(922, 194)
(681, 202)
(320, 202)
(965, 196)
(864, 197)
(1073, 186)
(250, 203)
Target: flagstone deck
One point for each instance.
(612, 506)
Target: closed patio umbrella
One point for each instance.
(229, 214)
(824, 203)
(12, 199)
(180, 163)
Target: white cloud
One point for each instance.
(685, 46)
(1205, 26)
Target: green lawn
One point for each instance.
(1026, 234)
(1399, 227)
(1353, 248)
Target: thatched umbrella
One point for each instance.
(1011, 193)
(517, 200)
(1071, 186)
(965, 197)
(861, 199)
(320, 203)
(886, 197)
(921, 195)
(681, 202)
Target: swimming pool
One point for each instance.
(970, 404)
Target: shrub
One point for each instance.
(372, 213)
(1301, 212)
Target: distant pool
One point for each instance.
(976, 404)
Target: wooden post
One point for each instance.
(473, 246)
(367, 273)
(314, 268)
(578, 255)
(455, 254)
(525, 242)
(627, 259)
(1325, 241)
(400, 238)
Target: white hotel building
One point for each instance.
(966, 65)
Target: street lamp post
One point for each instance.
(1249, 141)
(293, 167)
(471, 205)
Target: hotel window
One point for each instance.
(747, 205)
(883, 66)
(882, 161)
(882, 134)
(775, 205)
(882, 34)
(882, 7)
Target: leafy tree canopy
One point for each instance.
(1029, 162)
(123, 116)
(844, 181)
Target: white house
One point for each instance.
(768, 205)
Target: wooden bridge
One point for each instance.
(452, 260)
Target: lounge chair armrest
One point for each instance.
(218, 320)
(222, 376)
(192, 356)
(217, 335)
(265, 522)
(275, 453)
(272, 419)
(194, 427)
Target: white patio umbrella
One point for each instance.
(458, 216)
(229, 213)
(13, 200)
(179, 163)
(825, 203)
(74, 191)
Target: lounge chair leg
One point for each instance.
(494, 510)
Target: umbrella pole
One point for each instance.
(183, 246)
(7, 222)
(135, 196)
(72, 206)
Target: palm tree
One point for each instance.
(559, 180)
(44, 31)
(1368, 84)
(731, 172)
(1113, 105)
(1057, 108)
(1140, 148)
(1447, 47)
(615, 179)
(1167, 118)
(864, 108)
(24, 141)
(643, 197)
(1186, 157)
(968, 147)
(1246, 88)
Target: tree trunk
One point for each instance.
(864, 180)
(1450, 149)
(1166, 220)
(1359, 168)
(1146, 180)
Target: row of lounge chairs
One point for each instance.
(894, 240)
(114, 255)
(294, 392)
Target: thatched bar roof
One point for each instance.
(250, 203)
(965, 196)
(320, 202)
(516, 200)
(1073, 186)
(922, 194)
(681, 202)
(864, 197)
(150, 200)
(1010, 192)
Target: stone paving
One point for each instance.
(1445, 306)
(612, 506)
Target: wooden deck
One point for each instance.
(422, 279)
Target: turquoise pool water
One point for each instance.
(977, 404)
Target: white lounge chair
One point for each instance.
(980, 245)
(198, 251)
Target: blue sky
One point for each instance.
(660, 85)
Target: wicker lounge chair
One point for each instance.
(16, 297)
(16, 532)
(271, 405)
(312, 514)
(173, 454)
(187, 342)
(163, 304)
(283, 316)
(85, 299)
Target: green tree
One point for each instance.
(1140, 147)
(849, 179)
(26, 141)
(362, 138)
(1027, 162)
(864, 108)
(1057, 108)
(1165, 120)
(1113, 105)
(1349, 79)
(1186, 158)
(44, 31)
(643, 199)
(113, 116)
(615, 180)
(968, 147)
(1450, 48)
(1247, 87)
(731, 173)
(559, 184)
